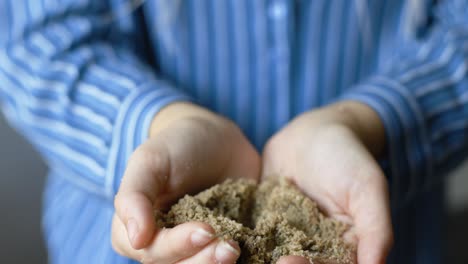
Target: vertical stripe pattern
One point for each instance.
(72, 83)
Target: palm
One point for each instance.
(186, 156)
(330, 165)
(200, 150)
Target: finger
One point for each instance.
(218, 252)
(120, 241)
(373, 227)
(145, 177)
(294, 260)
(180, 242)
(170, 244)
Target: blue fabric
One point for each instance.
(82, 79)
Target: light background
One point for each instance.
(22, 176)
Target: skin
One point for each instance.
(329, 154)
(191, 149)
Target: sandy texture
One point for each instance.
(268, 221)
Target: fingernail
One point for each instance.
(225, 252)
(201, 237)
(132, 229)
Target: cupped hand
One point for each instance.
(329, 154)
(189, 149)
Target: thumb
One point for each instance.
(144, 179)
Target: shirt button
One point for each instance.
(277, 10)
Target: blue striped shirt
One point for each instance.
(82, 80)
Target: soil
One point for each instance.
(268, 221)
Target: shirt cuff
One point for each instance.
(132, 126)
(408, 148)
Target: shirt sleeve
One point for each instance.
(423, 103)
(84, 102)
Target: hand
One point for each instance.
(328, 154)
(189, 149)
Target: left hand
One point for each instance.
(329, 154)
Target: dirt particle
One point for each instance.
(271, 220)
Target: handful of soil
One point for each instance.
(269, 220)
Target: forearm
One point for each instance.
(421, 100)
(85, 103)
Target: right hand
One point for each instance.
(189, 150)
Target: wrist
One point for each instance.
(176, 112)
(363, 121)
